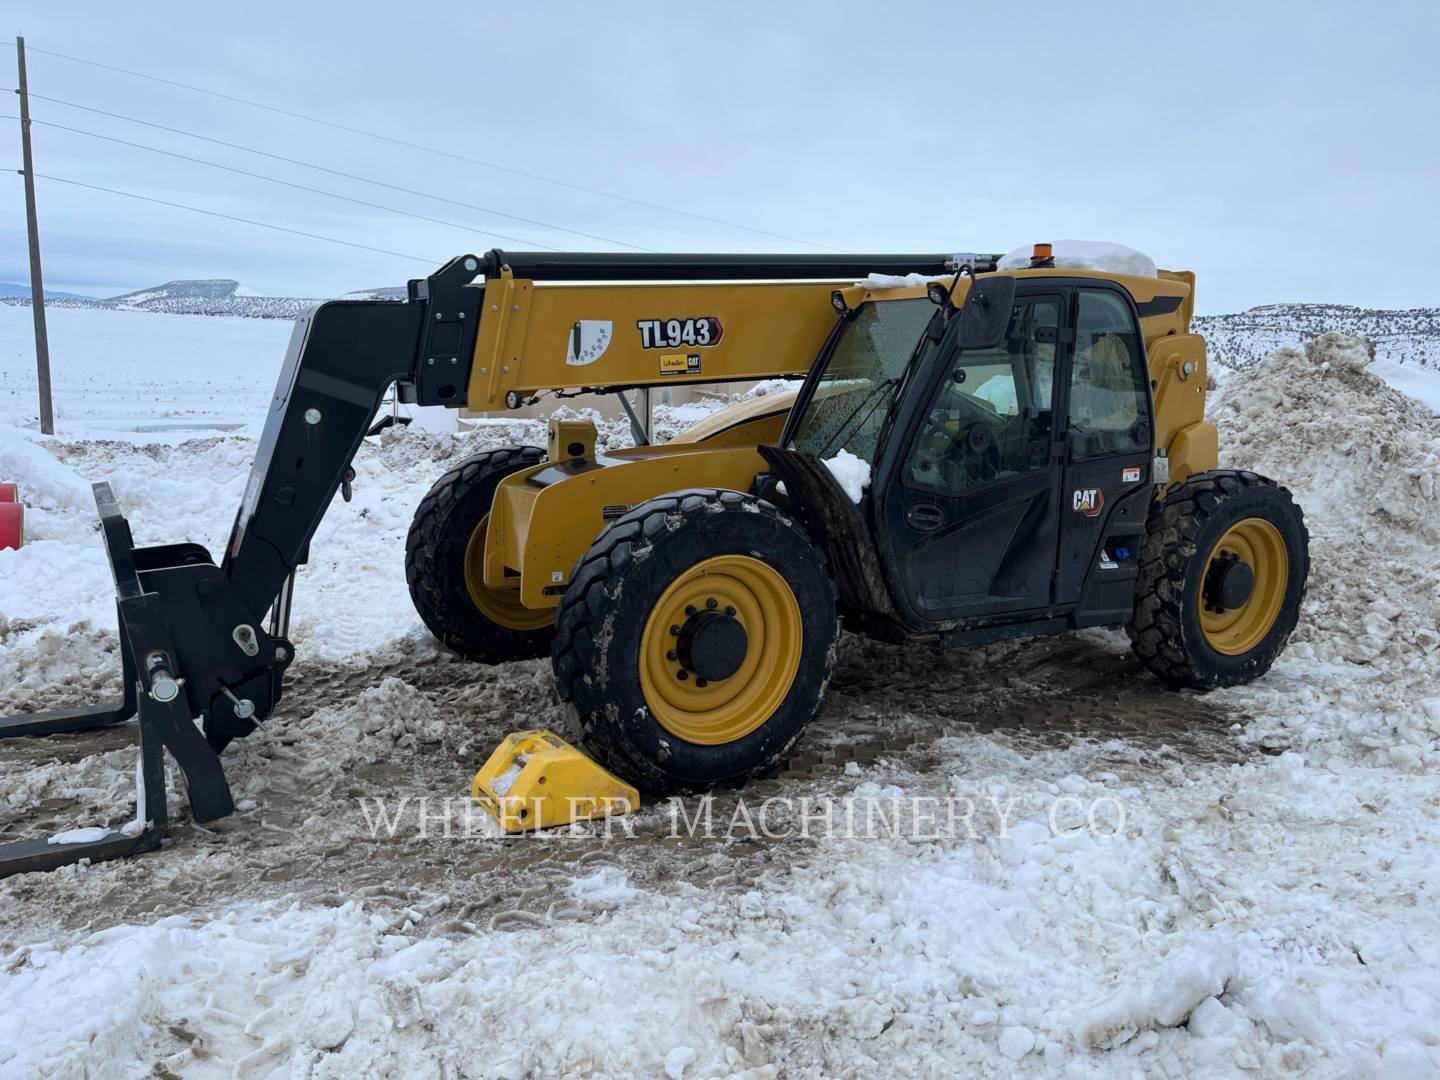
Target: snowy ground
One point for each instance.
(1266, 905)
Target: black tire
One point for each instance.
(1181, 534)
(435, 560)
(602, 618)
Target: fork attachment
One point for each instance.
(149, 586)
(201, 667)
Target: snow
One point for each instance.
(79, 836)
(1148, 884)
(852, 473)
(1015, 1042)
(126, 371)
(1086, 255)
(1417, 382)
(607, 886)
(1164, 999)
(899, 281)
(44, 482)
(678, 1060)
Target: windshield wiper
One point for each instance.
(870, 395)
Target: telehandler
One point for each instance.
(1030, 450)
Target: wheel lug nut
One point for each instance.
(689, 609)
(730, 611)
(712, 603)
(682, 675)
(672, 655)
(702, 683)
(674, 631)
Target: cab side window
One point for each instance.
(1108, 409)
(991, 417)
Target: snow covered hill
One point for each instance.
(207, 296)
(1407, 338)
(200, 296)
(216, 296)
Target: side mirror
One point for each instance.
(986, 314)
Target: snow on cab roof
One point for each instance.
(1099, 255)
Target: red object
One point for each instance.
(9, 492)
(12, 525)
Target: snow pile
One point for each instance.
(1167, 998)
(391, 716)
(1087, 255)
(851, 472)
(381, 720)
(1365, 454)
(84, 660)
(1364, 462)
(44, 482)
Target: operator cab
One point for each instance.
(1009, 470)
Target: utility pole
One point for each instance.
(37, 284)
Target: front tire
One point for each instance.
(1222, 576)
(696, 640)
(443, 565)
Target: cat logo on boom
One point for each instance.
(1088, 501)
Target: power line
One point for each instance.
(326, 169)
(428, 149)
(286, 183)
(232, 217)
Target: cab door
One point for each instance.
(1107, 437)
(968, 498)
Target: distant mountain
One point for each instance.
(212, 296)
(1406, 337)
(9, 289)
(200, 289)
(203, 296)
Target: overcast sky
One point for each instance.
(1283, 151)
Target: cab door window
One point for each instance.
(1109, 408)
(991, 418)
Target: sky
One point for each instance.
(1282, 151)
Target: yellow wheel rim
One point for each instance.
(500, 606)
(723, 710)
(1257, 543)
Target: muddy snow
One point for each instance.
(1022, 859)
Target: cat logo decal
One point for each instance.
(1088, 501)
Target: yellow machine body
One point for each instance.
(544, 518)
(537, 780)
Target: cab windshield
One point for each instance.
(854, 392)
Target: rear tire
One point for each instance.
(443, 576)
(1181, 626)
(754, 609)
